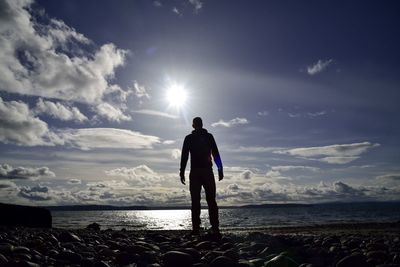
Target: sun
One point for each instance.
(176, 96)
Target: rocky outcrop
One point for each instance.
(16, 215)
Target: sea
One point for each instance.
(233, 218)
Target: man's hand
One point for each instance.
(220, 174)
(182, 175)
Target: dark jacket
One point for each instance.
(201, 146)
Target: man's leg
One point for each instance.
(209, 188)
(195, 189)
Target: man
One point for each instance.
(201, 146)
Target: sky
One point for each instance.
(301, 97)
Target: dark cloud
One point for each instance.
(35, 193)
(9, 172)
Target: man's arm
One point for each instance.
(217, 158)
(184, 159)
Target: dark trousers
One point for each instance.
(198, 178)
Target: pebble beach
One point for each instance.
(325, 245)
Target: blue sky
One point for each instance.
(301, 98)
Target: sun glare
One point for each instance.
(176, 96)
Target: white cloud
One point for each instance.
(318, 67)
(111, 113)
(45, 58)
(155, 113)
(263, 113)
(141, 174)
(90, 138)
(176, 153)
(317, 114)
(294, 168)
(394, 176)
(294, 115)
(10, 172)
(19, 126)
(228, 124)
(59, 111)
(333, 154)
(197, 4)
(140, 90)
(74, 181)
(252, 149)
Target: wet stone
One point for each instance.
(352, 260)
(222, 261)
(177, 258)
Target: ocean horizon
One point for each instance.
(232, 218)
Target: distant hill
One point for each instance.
(275, 205)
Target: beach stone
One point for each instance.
(24, 263)
(177, 258)
(193, 252)
(93, 226)
(245, 263)
(232, 254)
(68, 237)
(226, 246)
(3, 260)
(356, 259)
(21, 249)
(281, 261)
(200, 264)
(204, 245)
(222, 261)
(70, 256)
(101, 264)
(124, 258)
(257, 262)
(6, 248)
(378, 255)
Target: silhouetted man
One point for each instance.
(201, 146)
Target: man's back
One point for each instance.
(201, 146)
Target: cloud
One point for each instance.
(395, 176)
(197, 4)
(35, 193)
(19, 126)
(111, 113)
(294, 115)
(316, 114)
(74, 181)
(141, 174)
(228, 124)
(284, 168)
(318, 67)
(176, 153)
(263, 113)
(247, 175)
(156, 113)
(333, 154)
(91, 138)
(252, 149)
(140, 90)
(59, 111)
(9, 172)
(47, 58)
(7, 185)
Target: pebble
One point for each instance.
(111, 248)
(222, 261)
(177, 258)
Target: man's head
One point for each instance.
(197, 123)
